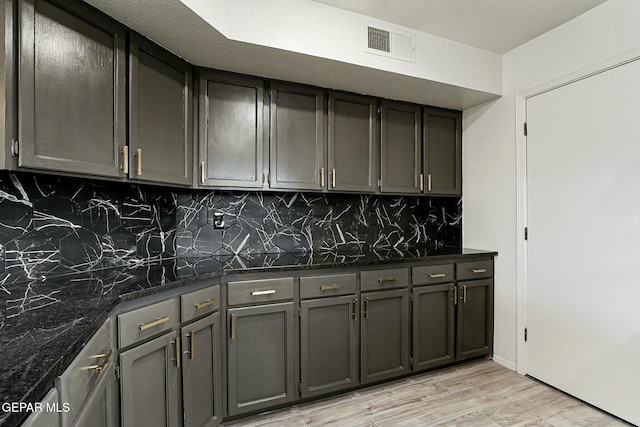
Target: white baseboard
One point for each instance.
(504, 362)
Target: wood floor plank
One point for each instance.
(479, 393)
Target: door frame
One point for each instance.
(521, 183)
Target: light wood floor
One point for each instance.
(480, 393)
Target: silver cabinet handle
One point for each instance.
(321, 177)
(202, 172)
(156, 322)
(464, 294)
(421, 182)
(233, 327)
(192, 345)
(267, 292)
(455, 295)
(354, 302)
(390, 279)
(333, 178)
(429, 182)
(479, 270)
(330, 287)
(366, 308)
(438, 275)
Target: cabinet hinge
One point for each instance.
(15, 147)
(299, 387)
(525, 128)
(525, 334)
(116, 372)
(411, 362)
(526, 233)
(269, 178)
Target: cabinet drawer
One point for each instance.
(474, 270)
(83, 373)
(257, 291)
(322, 286)
(429, 274)
(145, 322)
(200, 302)
(384, 279)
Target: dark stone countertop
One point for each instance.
(44, 323)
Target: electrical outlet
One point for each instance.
(218, 220)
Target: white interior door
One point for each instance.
(583, 252)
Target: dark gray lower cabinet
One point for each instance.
(261, 357)
(433, 325)
(475, 318)
(150, 384)
(99, 408)
(328, 345)
(202, 372)
(384, 338)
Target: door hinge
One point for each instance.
(411, 362)
(526, 233)
(525, 335)
(116, 372)
(299, 387)
(15, 147)
(525, 128)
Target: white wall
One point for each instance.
(489, 151)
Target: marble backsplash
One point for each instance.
(52, 225)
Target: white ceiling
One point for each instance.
(494, 25)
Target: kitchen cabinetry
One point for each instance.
(442, 133)
(72, 89)
(231, 141)
(384, 331)
(261, 344)
(201, 358)
(150, 372)
(434, 299)
(88, 385)
(352, 143)
(329, 322)
(400, 148)
(297, 145)
(160, 117)
(475, 309)
(45, 418)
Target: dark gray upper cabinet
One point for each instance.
(160, 115)
(72, 90)
(475, 318)
(231, 148)
(442, 132)
(400, 148)
(433, 325)
(328, 345)
(352, 139)
(261, 354)
(384, 337)
(297, 159)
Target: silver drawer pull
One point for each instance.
(105, 359)
(267, 292)
(479, 270)
(330, 287)
(156, 322)
(390, 279)
(437, 276)
(206, 303)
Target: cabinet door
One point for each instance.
(260, 357)
(150, 384)
(202, 372)
(384, 338)
(433, 325)
(297, 138)
(328, 345)
(400, 148)
(442, 151)
(353, 140)
(71, 89)
(475, 319)
(160, 115)
(45, 418)
(100, 408)
(231, 139)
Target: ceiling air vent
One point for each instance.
(391, 43)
